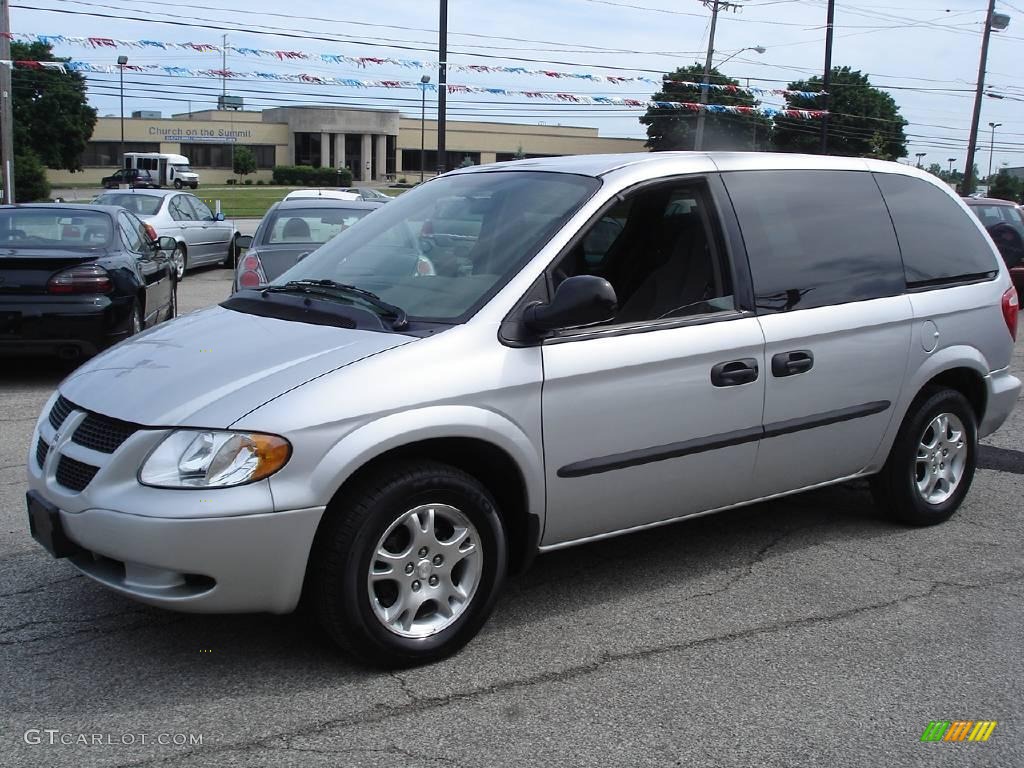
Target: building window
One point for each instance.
(307, 149)
(391, 143)
(106, 153)
(219, 155)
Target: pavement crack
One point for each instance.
(381, 713)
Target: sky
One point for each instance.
(925, 54)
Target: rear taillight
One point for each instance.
(1011, 308)
(250, 272)
(87, 278)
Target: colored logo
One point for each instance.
(958, 730)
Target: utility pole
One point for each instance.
(224, 69)
(826, 80)
(442, 87)
(6, 114)
(999, 21)
(715, 6)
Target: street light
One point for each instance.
(991, 148)
(919, 155)
(698, 139)
(951, 161)
(121, 61)
(754, 48)
(423, 123)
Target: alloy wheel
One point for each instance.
(425, 570)
(941, 458)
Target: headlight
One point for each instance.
(190, 458)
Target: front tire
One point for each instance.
(932, 462)
(408, 568)
(177, 184)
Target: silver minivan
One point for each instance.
(520, 357)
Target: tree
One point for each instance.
(1004, 187)
(674, 129)
(51, 115)
(30, 184)
(467, 162)
(519, 155)
(863, 121)
(244, 161)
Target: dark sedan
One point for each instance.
(290, 230)
(135, 178)
(75, 279)
(1005, 224)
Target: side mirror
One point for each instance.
(302, 256)
(243, 242)
(218, 216)
(166, 243)
(579, 300)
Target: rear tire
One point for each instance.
(407, 568)
(232, 257)
(932, 461)
(179, 261)
(136, 323)
(172, 309)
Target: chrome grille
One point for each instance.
(42, 448)
(102, 433)
(74, 474)
(60, 411)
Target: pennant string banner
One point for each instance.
(452, 88)
(365, 61)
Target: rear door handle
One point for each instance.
(734, 373)
(792, 363)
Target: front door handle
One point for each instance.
(792, 363)
(734, 373)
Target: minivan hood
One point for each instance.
(211, 367)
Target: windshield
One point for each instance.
(441, 249)
(54, 228)
(309, 225)
(142, 205)
(181, 169)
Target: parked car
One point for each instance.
(202, 237)
(1004, 221)
(326, 194)
(75, 279)
(368, 194)
(135, 178)
(393, 444)
(289, 231)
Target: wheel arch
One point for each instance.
(502, 459)
(960, 368)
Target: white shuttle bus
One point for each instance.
(169, 169)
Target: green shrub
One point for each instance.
(308, 176)
(232, 181)
(259, 182)
(30, 182)
(248, 182)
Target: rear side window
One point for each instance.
(815, 238)
(938, 240)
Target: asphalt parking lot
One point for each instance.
(803, 632)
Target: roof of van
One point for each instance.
(676, 162)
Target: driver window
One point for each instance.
(659, 251)
(129, 234)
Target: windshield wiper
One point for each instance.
(331, 288)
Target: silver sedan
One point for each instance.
(203, 237)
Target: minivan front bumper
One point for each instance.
(236, 564)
